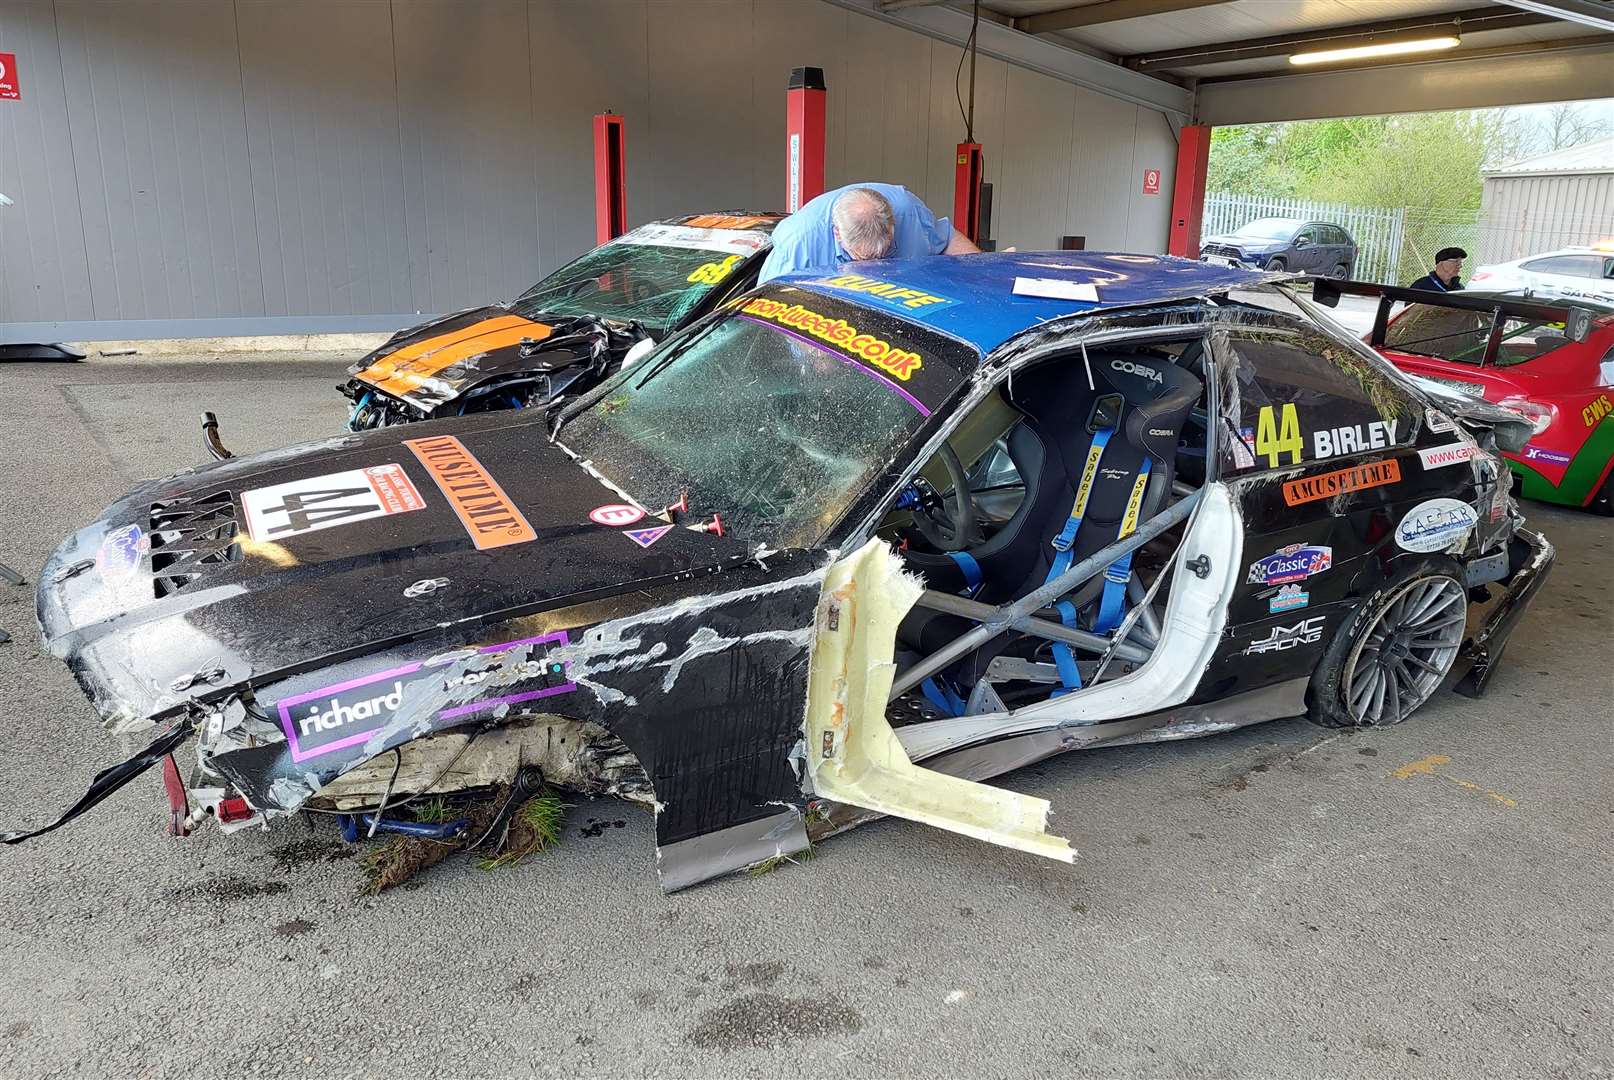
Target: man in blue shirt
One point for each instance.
(860, 221)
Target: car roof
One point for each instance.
(755, 220)
(975, 300)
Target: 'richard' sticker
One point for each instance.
(324, 502)
(347, 713)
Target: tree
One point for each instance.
(1571, 124)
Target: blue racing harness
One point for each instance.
(1112, 601)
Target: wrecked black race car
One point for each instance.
(566, 333)
(845, 548)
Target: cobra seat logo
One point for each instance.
(1139, 370)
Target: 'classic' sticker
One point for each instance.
(324, 502)
(1435, 525)
(487, 513)
(1327, 485)
(1294, 562)
(1438, 457)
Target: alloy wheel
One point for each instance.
(1401, 656)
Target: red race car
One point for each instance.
(1548, 358)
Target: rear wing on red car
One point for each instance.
(1576, 320)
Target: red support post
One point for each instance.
(968, 172)
(610, 178)
(1188, 191)
(804, 136)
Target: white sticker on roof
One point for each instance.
(1055, 289)
(728, 241)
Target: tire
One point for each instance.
(1413, 611)
(1341, 272)
(1602, 503)
(1277, 264)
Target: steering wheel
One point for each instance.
(956, 528)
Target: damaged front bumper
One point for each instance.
(1532, 557)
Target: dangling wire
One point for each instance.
(969, 50)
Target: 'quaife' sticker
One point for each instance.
(324, 502)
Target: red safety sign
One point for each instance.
(1151, 181)
(9, 88)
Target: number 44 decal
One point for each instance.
(1275, 436)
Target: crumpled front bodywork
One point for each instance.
(706, 686)
(485, 350)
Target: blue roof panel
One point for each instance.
(971, 297)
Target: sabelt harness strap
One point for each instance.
(1110, 605)
(1064, 554)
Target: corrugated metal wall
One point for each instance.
(1526, 215)
(278, 165)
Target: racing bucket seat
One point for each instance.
(1115, 435)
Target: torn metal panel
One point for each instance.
(705, 691)
(854, 756)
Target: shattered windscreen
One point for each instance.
(655, 275)
(1458, 335)
(777, 415)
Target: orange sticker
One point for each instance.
(1327, 485)
(403, 371)
(485, 510)
(725, 221)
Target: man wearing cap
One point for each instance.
(1443, 278)
(860, 221)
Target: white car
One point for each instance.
(1570, 271)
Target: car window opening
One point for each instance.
(1052, 473)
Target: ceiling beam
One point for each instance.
(1594, 13)
(1449, 82)
(1048, 56)
(1520, 48)
(1106, 11)
(1472, 20)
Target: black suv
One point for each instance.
(1310, 247)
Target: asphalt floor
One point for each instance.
(1430, 899)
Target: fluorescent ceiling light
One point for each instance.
(1381, 48)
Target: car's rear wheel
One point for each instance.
(1340, 272)
(1393, 653)
(1277, 264)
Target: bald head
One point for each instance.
(864, 223)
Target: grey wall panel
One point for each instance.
(44, 272)
(154, 97)
(469, 149)
(590, 57)
(788, 34)
(885, 93)
(322, 127)
(699, 121)
(1103, 132)
(217, 160)
(1034, 174)
(1153, 147)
